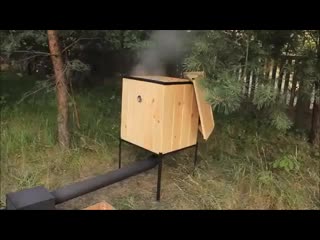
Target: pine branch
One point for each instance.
(27, 51)
(313, 38)
(28, 94)
(28, 58)
(75, 42)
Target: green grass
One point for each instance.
(242, 166)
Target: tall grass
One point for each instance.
(239, 171)
(242, 166)
(29, 155)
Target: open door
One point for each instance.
(205, 110)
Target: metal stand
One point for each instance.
(159, 177)
(196, 155)
(160, 157)
(120, 141)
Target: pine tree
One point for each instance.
(223, 56)
(28, 45)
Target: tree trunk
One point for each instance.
(282, 64)
(294, 83)
(286, 82)
(315, 127)
(246, 71)
(315, 124)
(61, 89)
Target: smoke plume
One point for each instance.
(166, 46)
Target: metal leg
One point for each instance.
(159, 177)
(120, 141)
(196, 155)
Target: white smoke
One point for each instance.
(166, 46)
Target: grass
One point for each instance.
(242, 166)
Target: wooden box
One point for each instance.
(163, 114)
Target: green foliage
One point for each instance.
(3, 99)
(77, 66)
(265, 177)
(277, 42)
(23, 40)
(288, 163)
(280, 120)
(267, 99)
(221, 54)
(225, 94)
(214, 52)
(125, 39)
(37, 101)
(235, 171)
(265, 96)
(241, 157)
(310, 71)
(26, 45)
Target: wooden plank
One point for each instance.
(131, 88)
(192, 75)
(148, 103)
(194, 121)
(270, 68)
(140, 111)
(157, 118)
(294, 84)
(186, 115)
(124, 109)
(242, 78)
(205, 110)
(286, 81)
(180, 118)
(100, 206)
(168, 119)
(143, 118)
(258, 76)
(130, 113)
(282, 65)
(178, 98)
(247, 83)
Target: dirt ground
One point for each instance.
(136, 192)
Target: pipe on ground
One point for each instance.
(89, 185)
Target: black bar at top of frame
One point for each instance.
(157, 82)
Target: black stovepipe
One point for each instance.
(78, 189)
